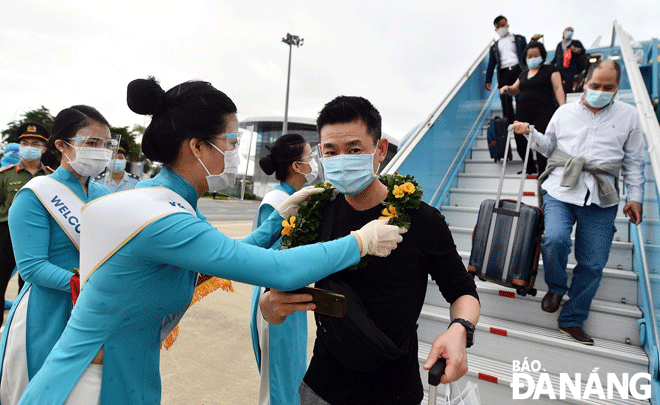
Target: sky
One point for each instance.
(404, 56)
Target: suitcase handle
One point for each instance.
(523, 173)
(514, 225)
(435, 373)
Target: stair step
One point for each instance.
(620, 253)
(494, 379)
(616, 285)
(502, 340)
(607, 320)
(476, 181)
(460, 197)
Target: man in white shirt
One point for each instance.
(507, 53)
(588, 142)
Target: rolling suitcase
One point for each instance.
(496, 135)
(507, 238)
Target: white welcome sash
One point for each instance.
(274, 198)
(62, 204)
(109, 222)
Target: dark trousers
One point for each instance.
(506, 77)
(540, 118)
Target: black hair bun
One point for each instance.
(145, 96)
(267, 164)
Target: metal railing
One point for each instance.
(651, 129)
(460, 153)
(403, 153)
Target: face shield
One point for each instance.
(115, 164)
(317, 157)
(232, 159)
(92, 153)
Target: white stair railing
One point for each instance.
(651, 130)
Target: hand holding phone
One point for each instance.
(327, 302)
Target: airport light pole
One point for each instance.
(298, 42)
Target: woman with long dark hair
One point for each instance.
(44, 223)
(138, 274)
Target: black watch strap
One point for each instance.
(469, 327)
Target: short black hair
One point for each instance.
(281, 154)
(499, 18)
(596, 65)
(193, 109)
(345, 109)
(537, 45)
(70, 120)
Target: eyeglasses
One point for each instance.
(232, 139)
(91, 142)
(34, 144)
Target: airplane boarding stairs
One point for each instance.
(451, 145)
(513, 328)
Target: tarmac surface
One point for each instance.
(212, 361)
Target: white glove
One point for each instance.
(377, 238)
(289, 207)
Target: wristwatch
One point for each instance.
(468, 326)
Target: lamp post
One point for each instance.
(297, 41)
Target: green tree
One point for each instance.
(40, 116)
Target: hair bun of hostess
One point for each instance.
(267, 164)
(145, 96)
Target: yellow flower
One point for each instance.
(389, 212)
(398, 192)
(408, 187)
(288, 226)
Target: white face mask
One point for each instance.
(502, 31)
(228, 176)
(309, 177)
(89, 161)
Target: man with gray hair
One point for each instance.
(587, 142)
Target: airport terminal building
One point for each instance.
(268, 129)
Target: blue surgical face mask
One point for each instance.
(118, 166)
(534, 62)
(568, 34)
(349, 174)
(29, 153)
(598, 99)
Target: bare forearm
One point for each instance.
(466, 307)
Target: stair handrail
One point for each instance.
(465, 144)
(648, 119)
(651, 129)
(403, 153)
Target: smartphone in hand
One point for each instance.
(327, 302)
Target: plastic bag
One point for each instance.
(469, 395)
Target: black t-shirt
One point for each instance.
(536, 93)
(392, 290)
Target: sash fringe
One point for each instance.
(205, 286)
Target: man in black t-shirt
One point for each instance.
(370, 355)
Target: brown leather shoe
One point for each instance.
(578, 334)
(551, 302)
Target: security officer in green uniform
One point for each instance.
(32, 139)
